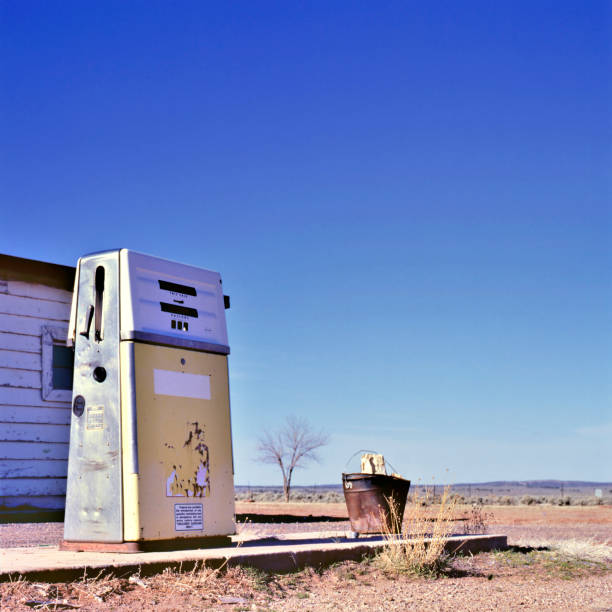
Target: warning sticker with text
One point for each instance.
(95, 417)
(188, 517)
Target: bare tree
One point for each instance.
(291, 446)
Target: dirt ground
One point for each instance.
(519, 523)
(538, 514)
(561, 559)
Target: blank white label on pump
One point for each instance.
(181, 384)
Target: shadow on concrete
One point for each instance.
(287, 518)
(274, 541)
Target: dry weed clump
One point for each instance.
(86, 593)
(14, 590)
(420, 546)
(477, 520)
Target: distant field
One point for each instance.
(561, 493)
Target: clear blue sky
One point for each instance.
(410, 205)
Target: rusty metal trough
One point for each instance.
(368, 500)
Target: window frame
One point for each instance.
(50, 336)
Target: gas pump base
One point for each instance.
(147, 545)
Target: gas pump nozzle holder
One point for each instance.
(150, 462)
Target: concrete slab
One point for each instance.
(283, 553)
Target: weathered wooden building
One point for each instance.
(35, 387)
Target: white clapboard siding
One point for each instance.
(23, 379)
(41, 292)
(33, 450)
(21, 360)
(27, 325)
(41, 502)
(31, 307)
(26, 397)
(20, 342)
(34, 432)
(35, 468)
(32, 486)
(35, 414)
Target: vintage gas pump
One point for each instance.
(150, 462)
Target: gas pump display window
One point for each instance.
(179, 293)
(176, 288)
(181, 310)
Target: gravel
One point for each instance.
(13, 535)
(488, 581)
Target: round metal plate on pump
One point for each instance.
(78, 406)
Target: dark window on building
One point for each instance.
(63, 364)
(57, 364)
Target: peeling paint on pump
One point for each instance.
(190, 468)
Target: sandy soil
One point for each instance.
(523, 578)
(539, 514)
(517, 522)
(490, 581)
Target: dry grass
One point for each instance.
(420, 546)
(199, 588)
(203, 584)
(584, 549)
(482, 581)
(564, 559)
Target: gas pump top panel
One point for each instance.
(171, 299)
(170, 303)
